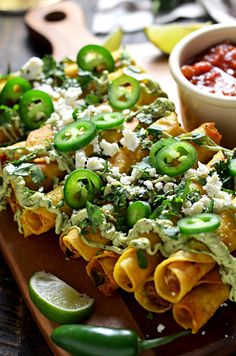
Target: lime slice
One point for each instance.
(165, 37)
(113, 40)
(57, 300)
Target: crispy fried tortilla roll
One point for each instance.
(129, 273)
(227, 228)
(198, 306)
(219, 156)
(37, 221)
(149, 299)
(175, 276)
(100, 269)
(50, 170)
(40, 220)
(41, 136)
(169, 124)
(124, 159)
(73, 245)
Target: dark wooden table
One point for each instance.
(19, 334)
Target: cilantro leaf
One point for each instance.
(95, 216)
(54, 70)
(6, 115)
(26, 169)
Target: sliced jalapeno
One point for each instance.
(137, 210)
(199, 223)
(123, 92)
(75, 136)
(81, 186)
(95, 58)
(176, 158)
(35, 108)
(232, 167)
(107, 121)
(157, 147)
(13, 90)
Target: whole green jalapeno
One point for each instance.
(88, 340)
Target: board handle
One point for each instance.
(61, 26)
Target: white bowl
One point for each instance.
(198, 106)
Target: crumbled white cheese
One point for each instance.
(213, 185)
(126, 111)
(103, 108)
(126, 180)
(95, 144)
(197, 207)
(44, 87)
(72, 94)
(224, 305)
(109, 149)
(169, 187)
(160, 328)
(32, 69)
(213, 188)
(111, 180)
(130, 140)
(202, 170)
(159, 185)
(148, 184)
(80, 159)
(95, 163)
(115, 171)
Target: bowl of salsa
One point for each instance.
(203, 65)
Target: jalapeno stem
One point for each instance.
(148, 344)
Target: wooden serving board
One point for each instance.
(62, 26)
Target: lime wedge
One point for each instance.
(113, 40)
(57, 300)
(165, 37)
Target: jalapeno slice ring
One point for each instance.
(123, 92)
(35, 107)
(137, 210)
(95, 58)
(108, 121)
(176, 158)
(199, 223)
(13, 90)
(81, 186)
(74, 136)
(157, 147)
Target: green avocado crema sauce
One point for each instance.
(29, 199)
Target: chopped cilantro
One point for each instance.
(95, 216)
(26, 169)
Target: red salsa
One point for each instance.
(214, 70)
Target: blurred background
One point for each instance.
(102, 16)
(19, 334)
